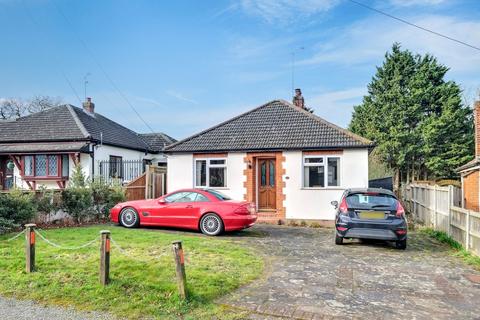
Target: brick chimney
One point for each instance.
(476, 114)
(89, 106)
(298, 99)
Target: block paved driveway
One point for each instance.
(309, 277)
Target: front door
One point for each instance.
(266, 184)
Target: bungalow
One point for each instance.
(288, 161)
(42, 148)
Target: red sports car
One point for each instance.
(206, 210)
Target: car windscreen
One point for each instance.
(220, 196)
(370, 200)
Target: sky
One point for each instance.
(187, 65)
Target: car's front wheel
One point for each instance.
(129, 218)
(402, 244)
(211, 224)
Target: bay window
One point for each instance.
(43, 165)
(321, 171)
(210, 173)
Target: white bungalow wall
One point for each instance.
(300, 203)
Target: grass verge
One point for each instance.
(455, 245)
(143, 276)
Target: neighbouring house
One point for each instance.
(469, 172)
(288, 161)
(41, 149)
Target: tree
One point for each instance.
(421, 127)
(12, 108)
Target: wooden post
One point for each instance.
(434, 207)
(450, 205)
(467, 240)
(105, 258)
(180, 268)
(30, 247)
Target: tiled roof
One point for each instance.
(473, 163)
(158, 140)
(69, 123)
(43, 147)
(276, 125)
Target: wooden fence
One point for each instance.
(152, 184)
(439, 208)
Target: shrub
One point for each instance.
(105, 196)
(77, 199)
(77, 202)
(16, 208)
(303, 223)
(48, 201)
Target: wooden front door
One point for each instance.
(266, 184)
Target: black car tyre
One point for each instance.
(338, 240)
(402, 244)
(211, 224)
(129, 218)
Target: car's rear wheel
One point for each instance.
(401, 244)
(211, 224)
(129, 218)
(338, 240)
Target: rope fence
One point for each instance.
(105, 240)
(15, 236)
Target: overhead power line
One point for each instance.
(415, 25)
(107, 76)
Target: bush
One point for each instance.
(105, 196)
(77, 199)
(48, 201)
(16, 208)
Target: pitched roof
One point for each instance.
(469, 165)
(158, 140)
(69, 123)
(276, 125)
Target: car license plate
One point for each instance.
(371, 215)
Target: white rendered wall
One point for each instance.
(309, 203)
(180, 169)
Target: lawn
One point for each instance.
(143, 282)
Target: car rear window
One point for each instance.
(220, 196)
(371, 201)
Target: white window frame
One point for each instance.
(208, 166)
(325, 165)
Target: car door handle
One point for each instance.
(189, 206)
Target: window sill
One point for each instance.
(213, 188)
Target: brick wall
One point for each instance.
(470, 191)
(277, 216)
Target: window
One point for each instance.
(210, 172)
(65, 166)
(116, 167)
(186, 197)
(42, 165)
(220, 196)
(28, 165)
(314, 168)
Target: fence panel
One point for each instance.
(439, 208)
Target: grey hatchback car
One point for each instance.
(370, 213)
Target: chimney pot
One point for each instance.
(89, 106)
(298, 99)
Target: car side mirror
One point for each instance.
(335, 204)
(162, 201)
